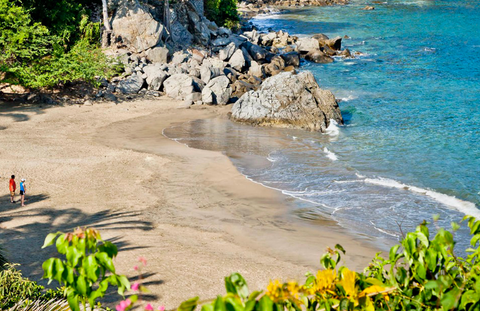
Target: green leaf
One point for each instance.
(188, 305)
(340, 248)
(61, 244)
(109, 248)
(431, 285)
(68, 275)
(219, 304)
(48, 266)
(91, 267)
(423, 238)
(431, 259)
(105, 261)
(393, 252)
(449, 300)
(233, 304)
(373, 281)
(58, 269)
(81, 285)
(207, 307)
(468, 297)
(123, 284)
(50, 239)
(73, 255)
(264, 304)
(73, 302)
(237, 285)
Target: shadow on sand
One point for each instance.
(26, 237)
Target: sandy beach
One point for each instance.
(189, 212)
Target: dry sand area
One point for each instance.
(189, 212)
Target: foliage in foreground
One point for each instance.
(87, 268)
(419, 274)
(17, 290)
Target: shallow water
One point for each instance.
(410, 146)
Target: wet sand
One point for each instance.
(188, 211)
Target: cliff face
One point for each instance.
(139, 26)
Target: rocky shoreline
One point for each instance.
(210, 65)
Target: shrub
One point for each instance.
(87, 268)
(420, 274)
(15, 289)
(222, 12)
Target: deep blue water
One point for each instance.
(409, 148)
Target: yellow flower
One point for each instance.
(274, 290)
(348, 282)
(374, 289)
(325, 280)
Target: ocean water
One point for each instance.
(409, 148)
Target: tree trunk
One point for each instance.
(108, 30)
(166, 18)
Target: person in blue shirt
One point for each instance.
(23, 189)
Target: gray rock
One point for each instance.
(220, 89)
(237, 61)
(179, 57)
(227, 52)
(257, 70)
(178, 86)
(221, 41)
(222, 31)
(276, 66)
(207, 73)
(88, 103)
(134, 26)
(335, 43)
(157, 55)
(267, 39)
(318, 56)
(346, 53)
(305, 45)
(291, 59)
(255, 51)
(154, 71)
(288, 100)
(321, 38)
(253, 36)
(130, 85)
(207, 96)
(180, 34)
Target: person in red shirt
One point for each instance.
(13, 187)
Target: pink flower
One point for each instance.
(135, 268)
(143, 260)
(161, 308)
(135, 286)
(148, 307)
(123, 305)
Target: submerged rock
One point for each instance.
(288, 100)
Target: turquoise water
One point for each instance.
(409, 148)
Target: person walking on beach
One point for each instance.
(12, 187)
(23, 189)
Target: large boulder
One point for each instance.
(135, 27)
(255, 51)
(291, 59)
(130, 85)
(305, 45)
(227, 52)
(153, 71)
(288, 100)
(178, 86)
(220, 91)
(237, 61)
(318, 56)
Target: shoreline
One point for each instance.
(153, 197)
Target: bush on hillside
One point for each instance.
(222, 12)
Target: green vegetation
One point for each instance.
(47, 43)
(222, 12)
(420, 274)
(15, 288)
(83, 272)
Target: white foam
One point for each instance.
(333, 129)
(332, 156)
(468, 208)
(348, 98)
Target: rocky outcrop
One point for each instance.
(135, 28)
(288, 100)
